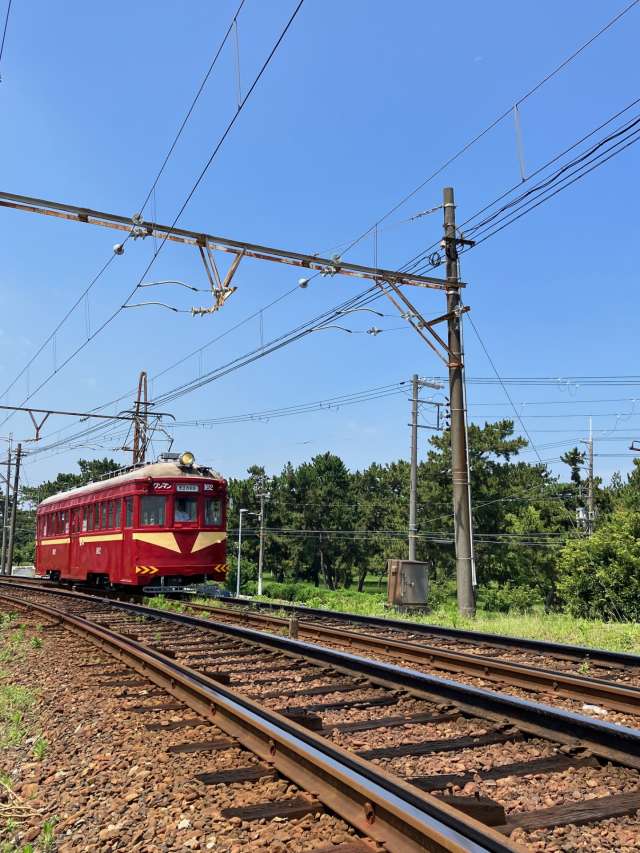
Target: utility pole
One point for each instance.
(14, 510)
(459, 451)
(590, 496)
(5, 514)
(141, 422)
(242, 511)
(590, 506)
(413, 484)
(264, 496)
(416, 385)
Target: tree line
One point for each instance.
(326, 524)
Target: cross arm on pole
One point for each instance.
(139, 228)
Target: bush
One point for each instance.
(248, 574)
(505, 598)
(441, 594)
(283, 591)
(599, 577)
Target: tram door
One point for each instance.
(75, 548)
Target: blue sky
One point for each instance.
(361, 103)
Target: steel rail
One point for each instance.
(612, 742)
(602, 657)
(379, 805)
(620, 697)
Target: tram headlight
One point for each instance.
(187, 459)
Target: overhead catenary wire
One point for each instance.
(582, 164)
(327, 404)
(192, 106)
(182, 208)
(151, 192)
(498, 120)
(4, 30)
(565, 62)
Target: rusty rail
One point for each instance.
(381, 806)
(562, 651)
(616, 743)
(620, 697)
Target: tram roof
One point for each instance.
(160, 470)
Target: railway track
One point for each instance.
(455, 758)
(512, 647)
(617, 688)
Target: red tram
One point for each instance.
(160, 522)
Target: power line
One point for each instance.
(507, 112)
(562, 178)
(582, 165)
(195, 186)
(504, 388)
(48, 340)
(274, 345)
(301, 408)
(203, 83)
(4, 30)
(104, 268)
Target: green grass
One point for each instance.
(46, 840)
(15, 703)
(537, 625)
(40, 747)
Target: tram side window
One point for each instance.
(152, 510)
(104, 515)
(117, 507)
(85, 523)
(213, 512)
(128, 512)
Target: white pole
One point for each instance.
(239, 554)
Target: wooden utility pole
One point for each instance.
(14, 510)
(459, 451)
(5, 514)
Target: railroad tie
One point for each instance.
(202, 746)
(251, 773)
(390, 722)
(124, 682)
(551, 764)
(216, 675)
(484, 809)
(338, 687)
(153, 709)
(354, 846)
(313, 722)
(449, 745)
(175, 725)
(346, 703)
(602, 808)
(295, 807)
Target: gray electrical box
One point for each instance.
(407, 584)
